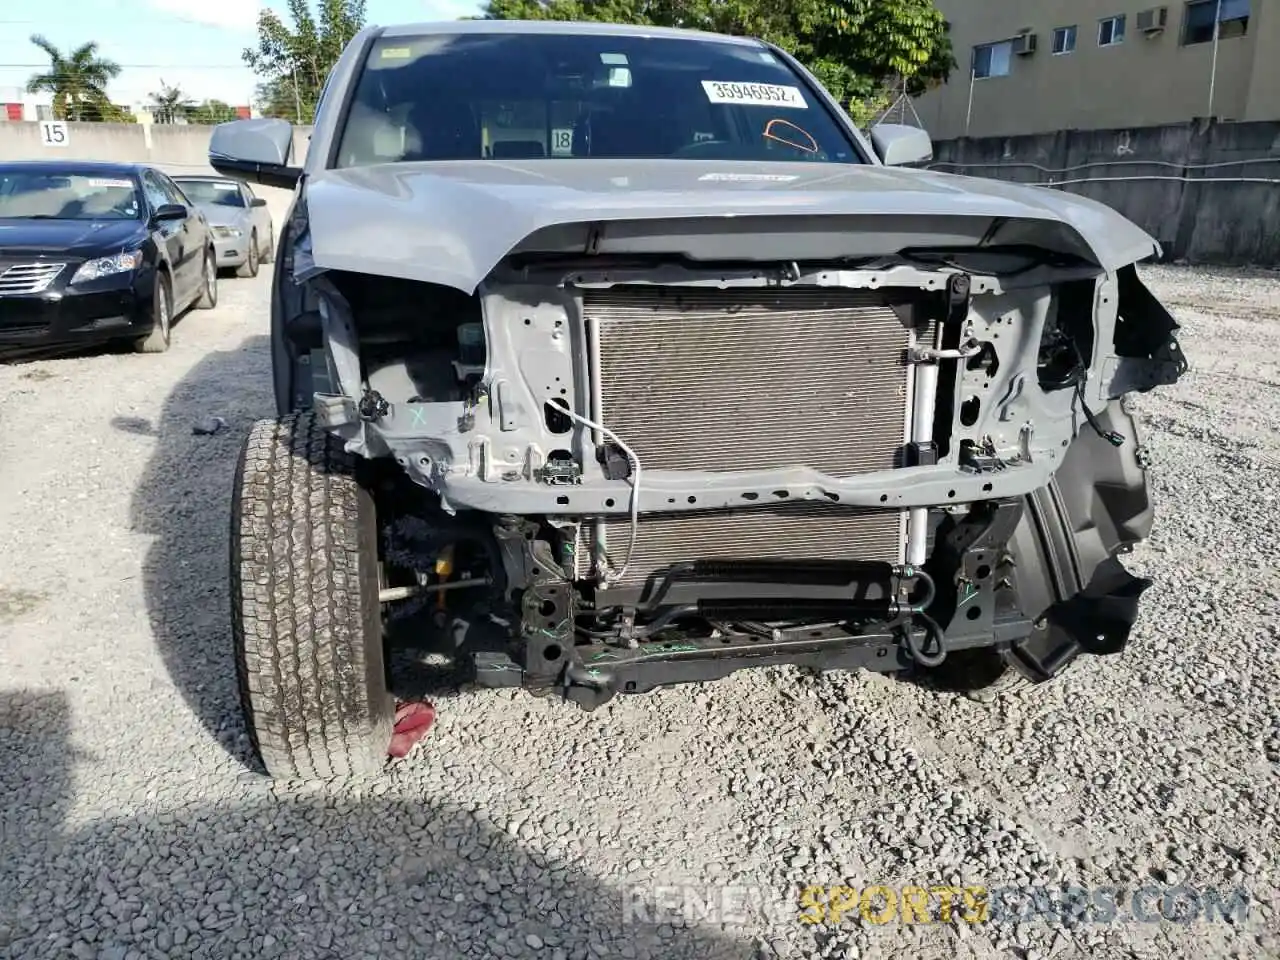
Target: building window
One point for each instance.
(992, 59)
(1064, 40)
(1111, 31)
(1232, 18)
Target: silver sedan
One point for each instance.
(243, 234)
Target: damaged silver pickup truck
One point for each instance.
(611, 358)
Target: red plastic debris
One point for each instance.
(413, 720)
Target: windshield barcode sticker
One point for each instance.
(109, 182)
(756, 94)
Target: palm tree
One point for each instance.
(170, 103)
(78, 80)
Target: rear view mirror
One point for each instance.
(170, 211)
(897, 144)
(257, 151)
(257, 202)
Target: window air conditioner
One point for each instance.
(1024, 44)
(1153, 20)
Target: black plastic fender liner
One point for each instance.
(296, 333)
(283, 353)
(1144, 328)
(1100, 617)
(1066, 569)
(296, 330)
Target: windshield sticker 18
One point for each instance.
(756, 94)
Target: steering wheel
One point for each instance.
(693, 149)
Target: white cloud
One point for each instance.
(232, 14)
(448, 9)
(137, 84)
(243, 14)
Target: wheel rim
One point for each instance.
(253, 255)
(162, 312)
(210, 279)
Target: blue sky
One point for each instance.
(195, 44)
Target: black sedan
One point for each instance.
(96, 252)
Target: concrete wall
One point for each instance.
(1147, 80)
(1210, 193)
(85, 141)
(174, 148)
(1264, 84)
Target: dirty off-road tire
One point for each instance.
(981, 675)
(304, 604)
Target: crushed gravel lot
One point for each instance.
(132, 825)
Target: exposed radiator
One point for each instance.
(753, 378)
(744, 378)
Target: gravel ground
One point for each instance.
(132, 826)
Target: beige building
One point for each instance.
(1031, 66)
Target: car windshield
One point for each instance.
(535, 95)
(47, 195)
(222, 193)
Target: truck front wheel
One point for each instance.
(305, 613)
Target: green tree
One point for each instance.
(211, 112)
(109, 112)
(280, 98)
(169, 103)
(293, 62)
(78, 80)
(859, 49)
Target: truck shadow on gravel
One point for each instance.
(321, 872)
(183, 503)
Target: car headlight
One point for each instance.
(226, 232)
(106, 266)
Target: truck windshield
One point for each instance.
(522, 96)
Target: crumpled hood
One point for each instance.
(451, 222)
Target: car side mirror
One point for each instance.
(170, 211)
(256, 151)
(897, 144)
(258, 202)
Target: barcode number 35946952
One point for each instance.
(761, 94)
